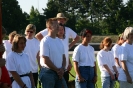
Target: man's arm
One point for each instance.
(38, 59)
(39, 36)
(74, 42)
(49, 63)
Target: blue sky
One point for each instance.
(25, 5)
(39, 4)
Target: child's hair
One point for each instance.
(84, 32)
(120, 37)
(106, 42)
(50, 22)
(12, 34)
(16, 39)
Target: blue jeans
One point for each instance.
(87, 73)
(107, 82)
(50, 79)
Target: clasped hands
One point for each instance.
(60, 73)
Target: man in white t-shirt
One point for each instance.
(53, 59)
(69, 33)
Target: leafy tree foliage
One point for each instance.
(100, 16)
(12, 16)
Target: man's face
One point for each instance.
(61, 20)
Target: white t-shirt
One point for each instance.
(116, 52)
(127, 55)
(19, 62)
(105, 58)
(52, 48)
(84, 55)
(8, 48)
(69, 33)
(31, 49)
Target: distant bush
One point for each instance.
(98, 39)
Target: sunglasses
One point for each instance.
(30, 31)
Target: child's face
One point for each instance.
(21, 45)
(61, 30)
(55, 27)
(87, 38)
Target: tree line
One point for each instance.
(103, 17)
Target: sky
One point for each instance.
(25, 5)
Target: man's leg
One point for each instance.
(47, 78)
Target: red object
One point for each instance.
(5, 76)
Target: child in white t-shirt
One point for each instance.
(53, 59)
(18, 64)
(8, 44)
(106, 64)
(116, 50)
(84, 62)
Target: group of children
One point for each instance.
(23, 52)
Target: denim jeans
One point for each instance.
(50, 79)
(87, 73)
(107, 82)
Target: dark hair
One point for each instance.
(84, 32)
(16, 39)
(60, 24)
(105, 42)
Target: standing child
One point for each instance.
(53, 59)
(106, 64)
(18, 64)
(84, 62)
(116, 49)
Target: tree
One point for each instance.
(12, 16)
(37, 19)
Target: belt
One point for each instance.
(12, 79)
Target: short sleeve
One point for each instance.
(10, 63)
(76, 54)
(44, 32)
(71, 33)
(124, 54)
(44, 48)
(101, 59)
